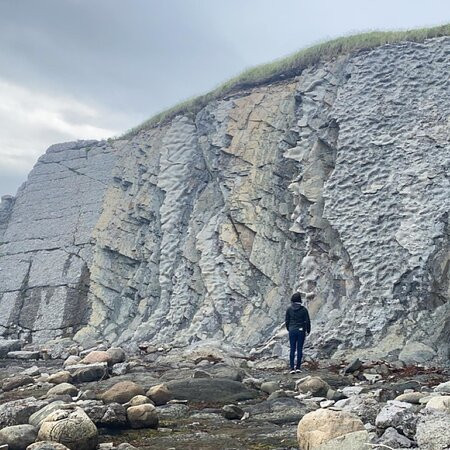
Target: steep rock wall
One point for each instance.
(46, 244)
(333, 183)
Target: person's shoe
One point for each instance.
(292, 371)
(298, 371)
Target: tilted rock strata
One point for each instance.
(333, 183)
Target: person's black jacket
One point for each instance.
(297, 317)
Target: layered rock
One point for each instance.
(332, 183)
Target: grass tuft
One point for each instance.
(290, 66)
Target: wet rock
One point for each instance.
(96, 357)
(16, 381)
(142, 416)
(47, 445)
(440, 403)
(73, 428)
(322, 426)
(411, 397)
(392, 438)
(443, 388)
(117, 355)
(18, 437)
(210, 390)
(314, 385)
(84, 373)
(355, 365)
(23, 355)
(398, 415)
(433, 430)
(17, 412)
(122, 392)
(159, 394)
(62, 376)
(63, 389)
(9, 345)
(40, 415)
(232, 412)
(269, 387)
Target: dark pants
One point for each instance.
(296, 341)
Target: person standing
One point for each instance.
(298, 325)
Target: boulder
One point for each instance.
(18, 437)
(16, 381)
(232, 412)
(9, 345)
(139, 400)
(269, 387)
(392, 438)
(440, 403)
(416, 353)
(210, 390)
(159, 394)
(364, 406)
(73, 428)
(433, 430)
(39, 416)
(47, 445)
(319, 427)
(72, 360)
(17, 412)
(116, 354)
(23, 355)
(314, 385)
(142, 416)
(97, 356)
(411, 397)
(122, 392)
(63, 389)
(62, 376)
(173, 411)
(82, 373)
(443, 388)
(111, 415)
(398, 415)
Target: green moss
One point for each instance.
(290, 66)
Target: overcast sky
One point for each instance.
(74, 69)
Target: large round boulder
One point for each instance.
(142, 416)
(320, 427)
(116, 354)
(122, 392)
(70, 427)
(314, 385)
(18, 437)
(159, 394)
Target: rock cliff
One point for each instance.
(333, 182)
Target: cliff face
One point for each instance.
(333, 183)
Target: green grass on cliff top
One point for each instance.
(290, 66)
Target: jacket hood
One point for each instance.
(296, 305)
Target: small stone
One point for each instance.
(122, 392)
(278, 394)
(398, 415)
(18, 437)
(142, 416)
(315, 385)
(232, 412)
(159, 394)
(63, 389)
(355, 365)
(60, 377)
(269, 387)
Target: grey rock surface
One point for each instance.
(333, 183)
